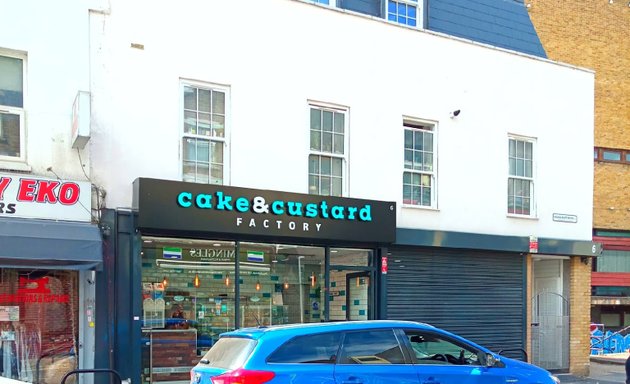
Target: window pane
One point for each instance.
(313, 184)
(316, 140)
(316, 119)
(612, 155)
(190, 98)
(432, 349)
(337, 167)
(218, 125)
(203, 151)
(408, 159)
(529, 151)
(190, 171)
(418, 140)
(336, 186)
(512, 166)
(338, 144)
(520, 149)
(313, 164)
(9, 134)
(204, 100)
(328, 121)
(190, 122)
(627, 157)
(11, 82)
(216, 174)
(417, 160)
(407, 177)
(216, 151)
(512, 148)
(428, 142)
(203, 173)
(326, 166)
(190, 149)
(407, 194)
(408, 139)
(203, 127)
(428, 162)
(327, 142)
(218, 102)
(371, 347)
(339, 123)
(320, 349)
(325, 185)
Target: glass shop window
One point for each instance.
(38, 324)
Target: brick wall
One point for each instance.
(580, 317)
(594, 34)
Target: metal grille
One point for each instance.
(550, 331)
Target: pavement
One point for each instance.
(605, 369)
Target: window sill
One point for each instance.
(14, 166)
(420, 207)
(513, 216)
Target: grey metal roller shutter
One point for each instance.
(477, 295)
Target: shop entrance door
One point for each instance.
(357, 296)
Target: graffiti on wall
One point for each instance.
(608, 342)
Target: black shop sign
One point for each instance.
(170, 206)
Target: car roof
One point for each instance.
(309, 328)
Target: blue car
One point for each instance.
(353, 352)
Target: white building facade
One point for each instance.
(460, 176)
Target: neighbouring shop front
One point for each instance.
(522, 296)
(49, 255)
(205, 259)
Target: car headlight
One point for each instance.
(555, 379)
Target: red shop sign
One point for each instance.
(384, 265)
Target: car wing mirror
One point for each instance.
(492, 360)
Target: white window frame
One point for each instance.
(532, 179)
(384, 9)
(344, 158)
(227, 124)
(16, 110)
(433, 173)
(419, 12)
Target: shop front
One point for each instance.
(207, 259)
(49, 256)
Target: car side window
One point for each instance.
(371, 347)
(310, 349)
(432, 348)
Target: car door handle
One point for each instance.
(352, 380)
(431, 380)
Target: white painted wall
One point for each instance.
(53, 36)
(275, 55)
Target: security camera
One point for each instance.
(455, 113)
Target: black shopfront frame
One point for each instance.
(157, 212)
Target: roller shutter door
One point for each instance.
(480, 296)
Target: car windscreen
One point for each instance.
(229, 352)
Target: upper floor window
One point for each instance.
(327, 157)
(12, 130)
(204, 126)
(419, 168)
(521, 176)
(610, 155)
(406, 12)
(403, 12)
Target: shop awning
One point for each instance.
(48, 244)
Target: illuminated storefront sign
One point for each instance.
(35, 197)
(167, 206)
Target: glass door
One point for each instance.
(358, 294)
(350, 287)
